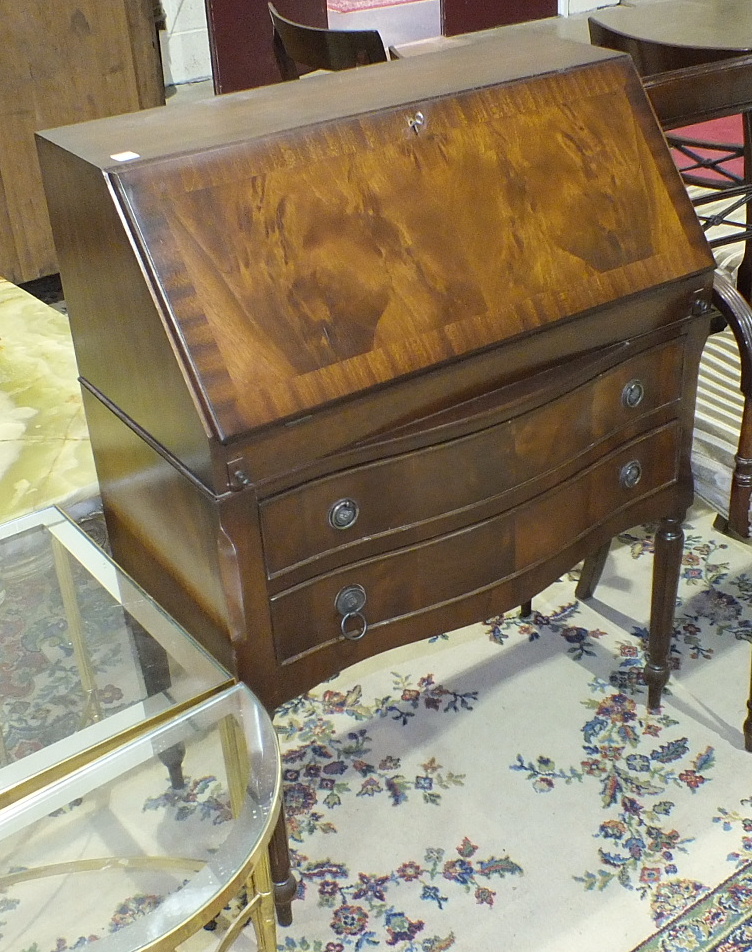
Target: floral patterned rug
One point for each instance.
(445, 795)
(504, 786)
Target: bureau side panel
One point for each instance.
(163, 529)
(121, 346)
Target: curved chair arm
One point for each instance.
(737, 313)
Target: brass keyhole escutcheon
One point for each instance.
(416, 122)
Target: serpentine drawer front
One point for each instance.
(405, 582)
(371, 508)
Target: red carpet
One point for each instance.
(352, 6)
(727, 130)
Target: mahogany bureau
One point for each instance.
(376, 355)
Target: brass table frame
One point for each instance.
(252, 876)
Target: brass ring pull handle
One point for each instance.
(633, 394)
(344, 514)
(631, 474)
(357, 633)
(350, 602)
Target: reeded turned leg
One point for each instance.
(285, 884)
(155, 668)
(669, 548)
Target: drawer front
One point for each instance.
(414, 579)
(391, 495)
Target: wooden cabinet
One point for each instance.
(383, 353)
(466, 16)
(62, 62)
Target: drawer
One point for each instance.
(384, 498)
(417, 578)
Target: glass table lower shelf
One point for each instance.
(139, 785)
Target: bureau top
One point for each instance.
(256, 113)
(308, 242)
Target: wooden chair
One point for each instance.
(297, 45)
(686, 86)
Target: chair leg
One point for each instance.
(592, 569)
(741, 486)
(526, 609)
(741, 482)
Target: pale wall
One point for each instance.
(185, 43)
(568, 7)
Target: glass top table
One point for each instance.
(139, 784)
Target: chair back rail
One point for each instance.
(298, 45)
(688, 85)
(683, 96)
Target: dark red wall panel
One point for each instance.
(240, 38)
(466, 16)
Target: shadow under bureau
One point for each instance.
(375, 355)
